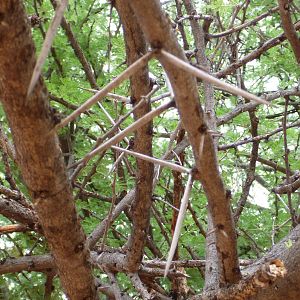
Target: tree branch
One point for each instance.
(38, 153)
(159, 34)
(288, 27)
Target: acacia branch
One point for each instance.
(254, 54)
(13, 228)
(212, 270)
(290, 185)
(288, 27)
(250, 170)
(159, 34)
(248, 106)
(257, 138)
(13, 210)
(140, 86)
(38, 153)
(262, 278)
(37, 263)
(244, 25)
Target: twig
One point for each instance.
(115, 286)
(136, 281)
(13, 228)
(257, 138)
(288, 188)
(196, 220)
(99, 230)
(254, 54)
(246, 24)
(49, 284)
(286, 160)
(248, 106)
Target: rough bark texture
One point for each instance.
(140, 86)
(159, 34)
(38, 263)
(38, 153)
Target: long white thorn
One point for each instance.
(154, 160)
(183, 207)
(122, 134)
(102, 93)
(59, 12)
(209, 78)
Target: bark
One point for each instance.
(37, 263)
(291, 186)
(288, 287)
(13, 228)
(288, 27)
(38, 154)
(286, 250)
(140, 86)
(264, 277)
(13, 210)
(212, 269)
(159, 34)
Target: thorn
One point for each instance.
(59, 12)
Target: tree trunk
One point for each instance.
(38, 153)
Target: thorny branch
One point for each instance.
(15, 207)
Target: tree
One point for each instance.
(83, 200)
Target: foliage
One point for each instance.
(97, 29)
